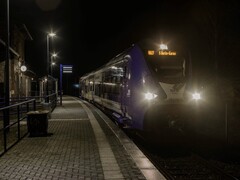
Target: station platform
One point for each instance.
(84, 144)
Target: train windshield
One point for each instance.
(168, 69)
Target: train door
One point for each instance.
(83, 89)
(101, 90)
(125, 91)
(86, 89)
(91, 88)
(97, 88)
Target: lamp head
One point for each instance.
(51, 34)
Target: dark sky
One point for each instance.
(89, 33)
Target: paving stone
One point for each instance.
(71, 152)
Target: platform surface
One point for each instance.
(85, 144)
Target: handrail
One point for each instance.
(17, 104)
(15, 100)
(12, 124)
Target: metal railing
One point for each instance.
(41, 101)
(13, 123)
(13, 118)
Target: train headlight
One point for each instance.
(196, 96)
(150, 96)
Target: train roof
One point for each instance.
(143, 44)
(112, 61)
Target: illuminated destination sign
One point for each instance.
(162, 53)
(167, 53)
(150, 52)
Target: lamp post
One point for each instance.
(6, 75)
(6, 71)
(52, 62)
(48, 36)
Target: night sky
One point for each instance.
(90, 33)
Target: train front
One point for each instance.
(168, 100)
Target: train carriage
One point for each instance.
(146, 88)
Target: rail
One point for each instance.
(41, 101)
(13, 118)
(13, 126)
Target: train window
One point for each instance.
(114, 79)
(97, 89)
(92, 86)
(169, 68)
(119, 79)
(100, 90)
(117, 89)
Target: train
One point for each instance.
(146, 88)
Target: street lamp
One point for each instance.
(48, 36)
(52, 62)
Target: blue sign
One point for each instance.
(67, 68)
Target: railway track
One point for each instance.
(181, 163)
(191, 167)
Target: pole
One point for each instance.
(47, 98)
(7, 60)
(47, 54)
(226, 123)
(6, 72)
(61, 69)
(51, 66)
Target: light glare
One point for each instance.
(54, 55)
(52, 34)
(163, 47)
(150, 96)
(196, 96)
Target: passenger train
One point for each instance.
(146, 88)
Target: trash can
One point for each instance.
(37, 123)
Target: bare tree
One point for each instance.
(216, 22)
